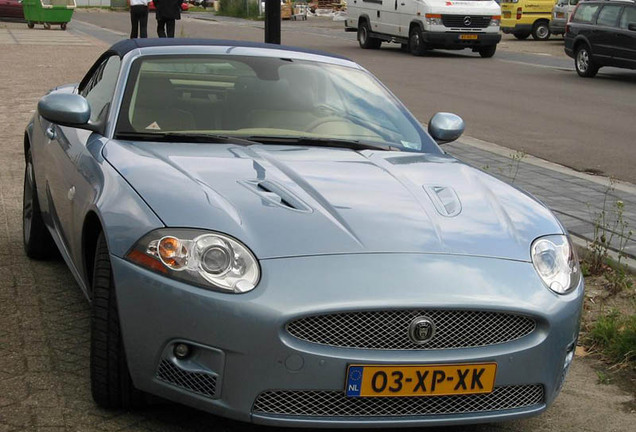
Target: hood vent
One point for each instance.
(276, 194)
(444, 199)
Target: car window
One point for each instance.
(262, 96)
(628, 17)
(99, 89)
(609, 16)
(585, 13)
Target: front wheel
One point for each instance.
(541, 31)
(63, 26)
(488, 51)
(30, 25)
(365, 40)
(416, 41)
(111, 385)
(584, 64)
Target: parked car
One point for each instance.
(523, 18)
(184, 6)
(421, 25)
(267, 234)
(11, 9)
(561, 15)
(602, 33)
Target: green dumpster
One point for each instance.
(48, 12)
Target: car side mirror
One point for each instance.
(445, 127)
(631, 26)
(66, 110)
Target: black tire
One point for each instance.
(541, 30)
(111, 385)
(487, 51)
(364, 38)
(583, 62)
(416, 41)
(30, 25)
(63, 26)
(521, 35)
(38, 243)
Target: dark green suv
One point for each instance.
(602, 33)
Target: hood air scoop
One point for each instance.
(444, 199)
(276, 194)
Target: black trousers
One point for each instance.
(165, 27)
(139, 21)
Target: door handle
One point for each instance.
(50, 132)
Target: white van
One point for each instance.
(420, 25)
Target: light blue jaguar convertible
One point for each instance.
(269, 235)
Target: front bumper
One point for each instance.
(517, 28)
(452, 40)
(241, 342)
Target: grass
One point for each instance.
(236, 8)
(615, 335)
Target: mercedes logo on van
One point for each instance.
(421, 330)
(467, 21)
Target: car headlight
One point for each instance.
(555, 261)
(211, 260)
(434, 19)
(495, 20)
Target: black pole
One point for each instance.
(272, 21)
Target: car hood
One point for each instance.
(284, 201)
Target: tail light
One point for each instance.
(519, 13)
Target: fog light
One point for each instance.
(181, 351)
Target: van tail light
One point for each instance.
(519, 13)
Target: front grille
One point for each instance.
(318, 403)
(389, 330)
(201, 383)
(475, 21)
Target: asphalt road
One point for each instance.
(528, 97)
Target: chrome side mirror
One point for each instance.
(445, 127)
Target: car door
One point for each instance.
(67, 178)
(604, 46)
(626, 38)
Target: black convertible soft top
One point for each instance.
(127, 45)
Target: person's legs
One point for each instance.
(143, 23)
(161, 28)
(170, 25)
(133, 22)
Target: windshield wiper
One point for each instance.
(323, 142)
(185, 137)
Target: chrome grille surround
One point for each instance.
(389, 330)
(476, 21)
(196, 382)
(322, 403)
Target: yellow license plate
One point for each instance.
(468, 37)
(420, 380)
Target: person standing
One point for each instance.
(167, 12)
(139, 18)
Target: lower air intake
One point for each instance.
(317, 403)
(196, 382)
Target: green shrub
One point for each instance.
(238, 9)
(615, 335)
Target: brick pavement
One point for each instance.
(44, 319)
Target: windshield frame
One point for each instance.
(428, 145)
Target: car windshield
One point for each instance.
(264, 98)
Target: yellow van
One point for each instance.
(523, 18)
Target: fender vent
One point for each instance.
(276, 194)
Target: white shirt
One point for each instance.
(139, 2)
